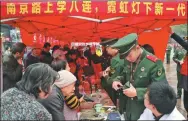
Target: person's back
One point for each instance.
(54, 103)
(18, 105)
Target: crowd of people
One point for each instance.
(44, 85)
(71, 65)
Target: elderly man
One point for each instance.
(141, 68)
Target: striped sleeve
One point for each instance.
(72, 102)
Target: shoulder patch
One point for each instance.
(152, 58)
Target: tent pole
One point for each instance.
(1, 67)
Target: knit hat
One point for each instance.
(66, 78)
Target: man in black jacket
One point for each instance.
(45, 55)
(12, 66)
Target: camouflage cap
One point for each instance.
(125, 44)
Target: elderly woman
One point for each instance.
(19, 103)
(70, 109)
(61, 93)
(60, 64)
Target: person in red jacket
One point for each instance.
(184, 72)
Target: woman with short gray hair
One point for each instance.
(19, 103)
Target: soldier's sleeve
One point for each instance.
(117, 76)
(179, 40)
(157, 73)
(140, 93)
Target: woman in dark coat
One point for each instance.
(19, 103)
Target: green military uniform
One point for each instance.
(140, 74)
(168, 54)
(114, 63)
(117, 65)
(178, 56)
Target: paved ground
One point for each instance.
(172, 79)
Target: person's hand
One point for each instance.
(107, 69)
(181, 62)
(130, 92)
(116, 85)
(82, 99)
(105, 73)
(20, 61)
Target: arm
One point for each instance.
(179, 40)
(157, 73)
(118, 65)
(118, 75)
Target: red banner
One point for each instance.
(86, 7)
